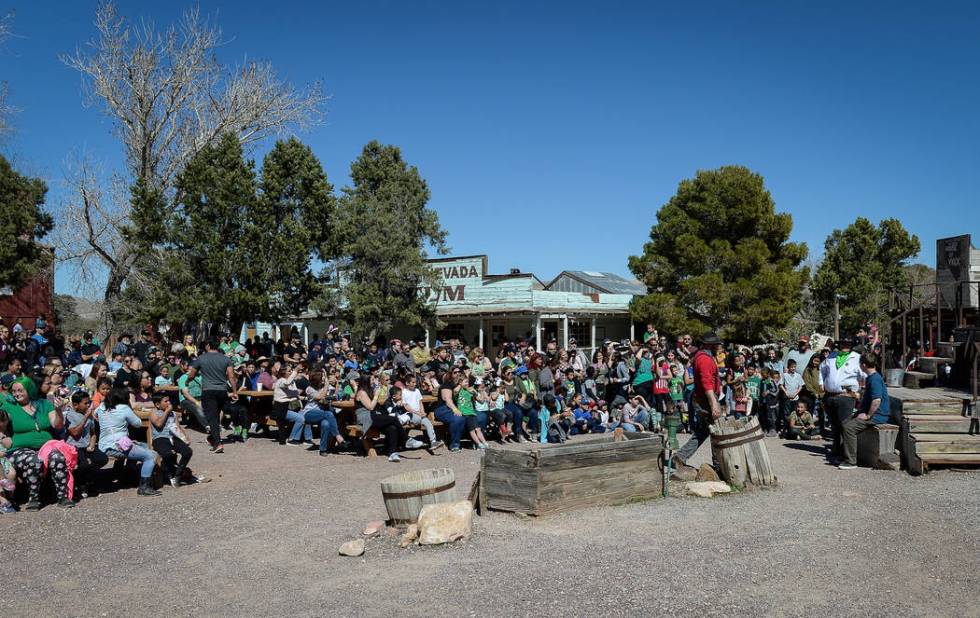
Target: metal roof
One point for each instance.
(609, 283)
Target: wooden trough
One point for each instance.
(538, 479)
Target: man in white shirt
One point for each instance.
(841, 377)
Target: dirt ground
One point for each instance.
(262, 539)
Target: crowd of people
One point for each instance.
(71, 405)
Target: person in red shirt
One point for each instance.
(707, 388)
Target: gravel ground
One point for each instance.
(262, 538)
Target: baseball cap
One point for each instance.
(521, 370)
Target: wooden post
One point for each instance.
(939, 318)
(632, 329)
(481, 334)
(593, 343)
(564, 331)
(836, 318)
(905, 346)
(922, 330)
(537, 333)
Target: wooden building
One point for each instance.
(485, 309)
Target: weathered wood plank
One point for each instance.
(951, 458)
(938, 423)
(945, 437)
(564, 490)
(923, 448)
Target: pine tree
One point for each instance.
(23, 222)
(719, 257)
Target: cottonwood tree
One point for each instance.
(861, 264)
(719, 257)
(5, 110)
(168, 97)
(387, 231)
(23, 222)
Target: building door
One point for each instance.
(549, 332)
(497, 335)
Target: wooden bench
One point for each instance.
(876, 447)
(366, 441)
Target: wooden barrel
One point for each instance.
(406, 493)
(740, 450)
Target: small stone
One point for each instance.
(374, 528)
(352, 548)
(707, 473)
(685, 473)
(706, 489)
(411, 533)
(445, 523)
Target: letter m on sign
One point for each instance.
(454, 292)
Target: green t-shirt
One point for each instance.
(28, 431)
(754, 385)
(464, 401)
(348, 392)
(644, 372)
(194, 388)
(675, 386)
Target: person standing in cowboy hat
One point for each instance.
(707, 387)
(840, 377)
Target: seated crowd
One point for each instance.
(68, 407)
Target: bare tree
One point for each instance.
(168, 96)
(5, 110)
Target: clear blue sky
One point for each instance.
(550, 133)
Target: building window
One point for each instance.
(581, 330)
(451, 331)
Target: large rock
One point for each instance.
(707, 473)
(707, 489)
(445, 523)
(352, 548)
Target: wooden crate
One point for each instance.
(538, 479)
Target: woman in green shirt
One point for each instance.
(31, 422)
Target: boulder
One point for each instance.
(706, 489)
(411, 533)
(374, 528)
(445, 523)
(352, 548)
(707, 473)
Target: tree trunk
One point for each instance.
(110, 301)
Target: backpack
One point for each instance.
(556, 434)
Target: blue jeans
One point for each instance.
(299, 426)
(139, 452)
(328, 425)
(625, 426)
(517, 413)
(455, 423)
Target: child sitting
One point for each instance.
(464, 401)
(801, 425)
(164, 378)
(169, 440)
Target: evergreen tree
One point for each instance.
(861, 264)
(23, 222)
(387, 230)
(719, 257)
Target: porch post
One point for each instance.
(537, 333)
(632, 329)
(564, 332)
(481, 334)
(592, 342)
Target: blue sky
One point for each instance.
(550, 133)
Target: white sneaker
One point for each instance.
(412, 443)
(253, 428)
(846, 466)
(394, 457)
